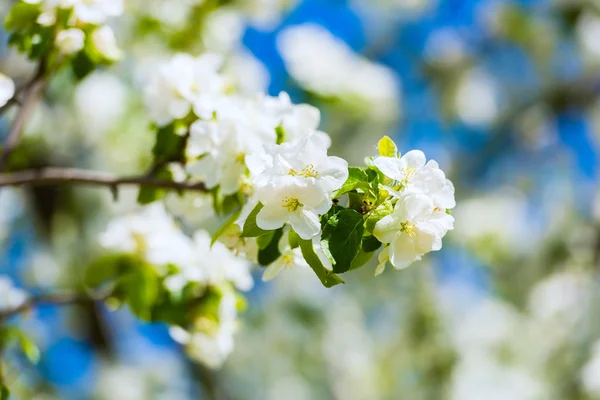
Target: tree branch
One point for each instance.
(56, 299)
(33, 91)
(53, 176)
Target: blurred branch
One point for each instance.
(52, 176)
(57, 299)
(32, 92)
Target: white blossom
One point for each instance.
(288, 259)
(413, 229)
(294, 182)
(224, 145)
(182, 81)
(324, 64)
(151, 234)
(10, 296)
(70, 41)
(219, 264)
(411, 174)
(105, 43)
(97, 11)
(211, 347)
(7, 89)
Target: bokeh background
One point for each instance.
(504, 94)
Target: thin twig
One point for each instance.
(56, 299)
(32, 92)
(53, 176)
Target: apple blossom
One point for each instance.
(152, 234)
(289, 259)
(70, 41)
(413, 229)
(211, 346)
(105, 43)
(178, 84)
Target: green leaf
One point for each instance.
(267, 254)
(250, 227)
(370, 244)
(387, 147)
(148, 195)
(293, 239)
(109, 268)
(4, 392)
(328, 278)
(22, 16)
(168, 143)
(226, 225)
(342, 236)
(82, 65)
(383, 210)
(362, 258)
(263, 241)
(357, 178)
(141, 289)
(30, 349)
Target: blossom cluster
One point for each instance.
(335, 71)
(184, 262)
(269, 156)
(72, 27)
(423, 196)
(286, 201)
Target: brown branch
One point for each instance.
(54, 176)
(56, 299)
(32, 92)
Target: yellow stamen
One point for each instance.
(408, 228)
(240, 158)
(307, 172)
(292, 204)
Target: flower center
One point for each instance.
(408, 228)
(240, 158)
(307, 172)
(292, 204)
(288, 259)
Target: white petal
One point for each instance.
(305, 223)
(386, 229)
(414, 207)
(413, 159)
(390, 166)
(272, 216)
(179, 334)
(403, 252)
(425, 240)
(273, 270)
(333, 174)
(7, 89)
(383, 258)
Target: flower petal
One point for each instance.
(273, 270)
(390, 166)
(333, 173)
(403, 252)
(413, 159)
(272, 216)
(305, 223)
(414, 207)
(386, 229)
